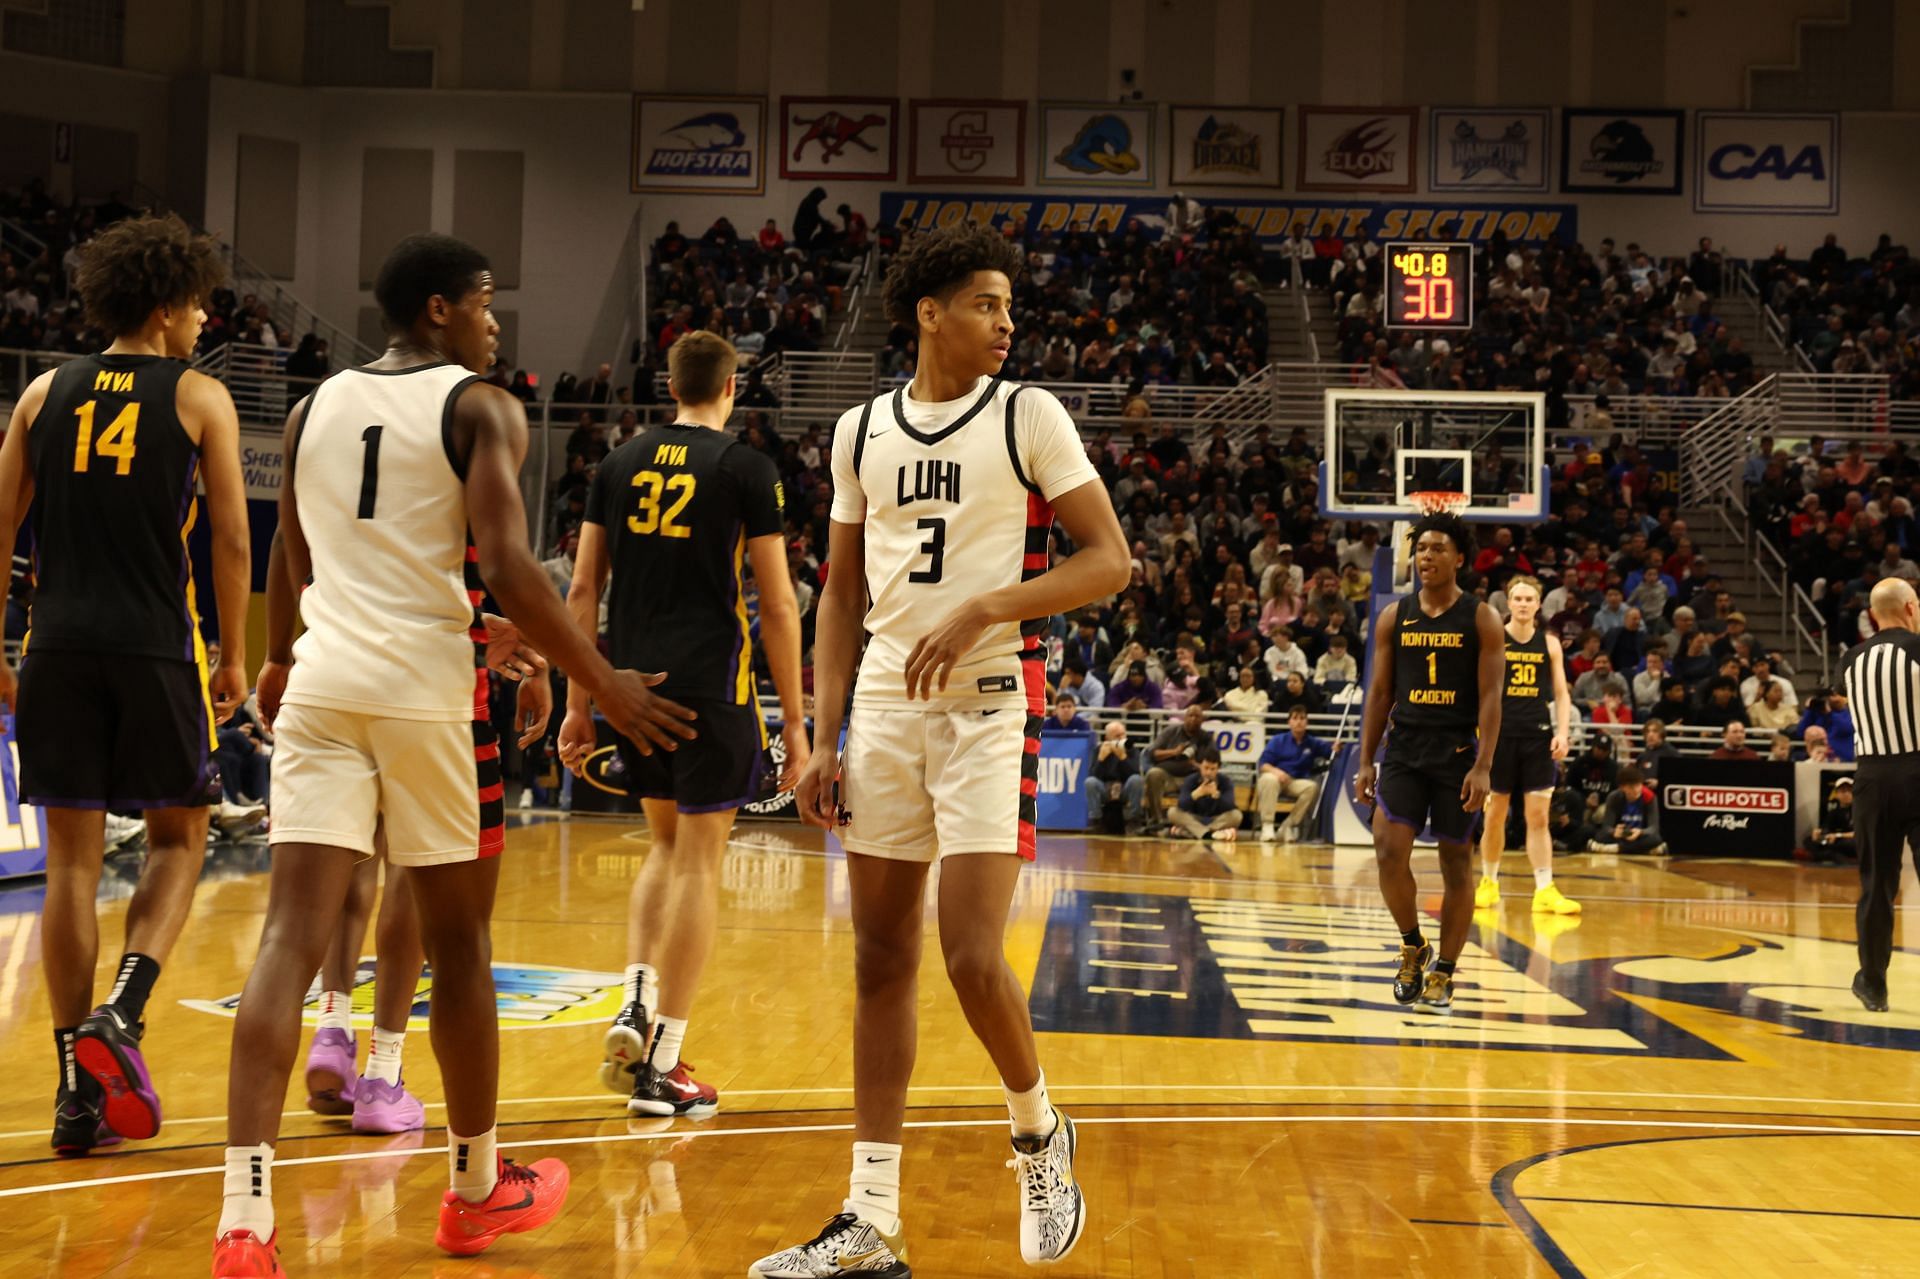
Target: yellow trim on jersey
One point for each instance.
(743, 681)
(193, 622)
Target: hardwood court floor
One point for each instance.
(1676, 1084)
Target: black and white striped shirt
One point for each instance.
(1881, 679)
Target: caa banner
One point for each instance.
(1358, 148)
(699, 144)
(1530, 223)
(967, 140)
(1752, 162)
(1620, 152)
(847, 138)
(1098, 144)
(1473, 150)
(1225, 147)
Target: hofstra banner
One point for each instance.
(1523, 223)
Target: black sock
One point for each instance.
(130, 990)
(1413, 938)
(1444, 966)
(63, 1044)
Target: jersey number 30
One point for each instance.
(650, 518)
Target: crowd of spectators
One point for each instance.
(1850, 314)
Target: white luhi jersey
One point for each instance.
(956, 501)
(384, 513)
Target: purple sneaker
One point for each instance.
(78, 1127)
(330, 1073)
(108, 1049)
(381, 1107)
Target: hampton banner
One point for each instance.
(1524, 223)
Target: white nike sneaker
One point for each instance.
(849, 1245)
(1053, 1212)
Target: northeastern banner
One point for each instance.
(1524, 223)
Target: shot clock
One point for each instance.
(1429, 286)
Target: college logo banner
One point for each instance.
(854, 138)
(1357, 148)
(1487, 150)
(1753, 162)
(1531, 223)
(1623, 152)
(1097, 143)
(690, 144)
(967, 140)
(1225, 146)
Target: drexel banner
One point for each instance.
(1523, 223)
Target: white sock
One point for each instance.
(874, 1192)
(336, 1010)
(247, 1202)
(1032, 1113)
(384, 1061)
(1542, 877)
(1490, 873)
(668, 1034)
(472, 1165)
(643, 986)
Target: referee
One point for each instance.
(1882, 681)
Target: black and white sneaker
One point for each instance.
(79, 1122)
(848, 1245)
(626, 1049)
(675, 1092)
(1053, 1212)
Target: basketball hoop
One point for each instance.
(1439, 501)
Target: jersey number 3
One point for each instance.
(934, 548)
(115, 442)
(650, 518)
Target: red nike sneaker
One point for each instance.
(676, 1092)
(524, 1198)
(239, 1254)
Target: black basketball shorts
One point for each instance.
(1524, 765)
(719, 769)
(115, 732)
(1419, 779)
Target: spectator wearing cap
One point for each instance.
(1630, 818)
(1733, 743)
(1136, 692)
(1727, 644)
(1089, 647)
(1592, 775)
(1832, 839)
(1755, 685)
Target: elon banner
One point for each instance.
(1725, 808)
(1530, 223)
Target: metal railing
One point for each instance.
(818, 386)
(1656, 420)
(1775, 325)
(1303, 308)
(861, 290)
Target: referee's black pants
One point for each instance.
(1886, 817)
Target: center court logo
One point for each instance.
(708, 145)
(1364, 151)
(529, 997)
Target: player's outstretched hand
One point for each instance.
(813, 794)
(577, 740)
(508, 651)
(534, 706)
(935, 656)
(271, 688)
(642, 716)
(1363, 784)
(1473, 791)
(228, 687)
(799, 750)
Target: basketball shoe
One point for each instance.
(1486, 894)
(381, 1107)
(676, 1092)
(239, 1254)
(1438, 992)
(1413, 962)
(626, 1049)
(331, 1077)
(1551, 901)
(525, 1197)
(847, 1245)
(1052, 1209)
(108, 1049)
(78, 1125)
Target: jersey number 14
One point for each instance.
(115, 442)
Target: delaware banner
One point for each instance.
(1528, 223)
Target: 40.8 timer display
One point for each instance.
(1429, 286)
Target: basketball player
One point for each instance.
(402, 494)
(945, 493)
(1533, 741)
(1438, 658)
(674, 514)
(113, 708)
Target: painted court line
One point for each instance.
(677, 1135)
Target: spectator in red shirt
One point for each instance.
(1501, 560)
(771, 241)
(1733, 743)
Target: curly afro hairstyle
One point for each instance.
(140, 264)
(934, 264)
(1443, 522)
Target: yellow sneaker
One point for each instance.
(1486, 894)
(1550, 900)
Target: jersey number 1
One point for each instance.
(1433, 667)
(370, 471)
(115, 442)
